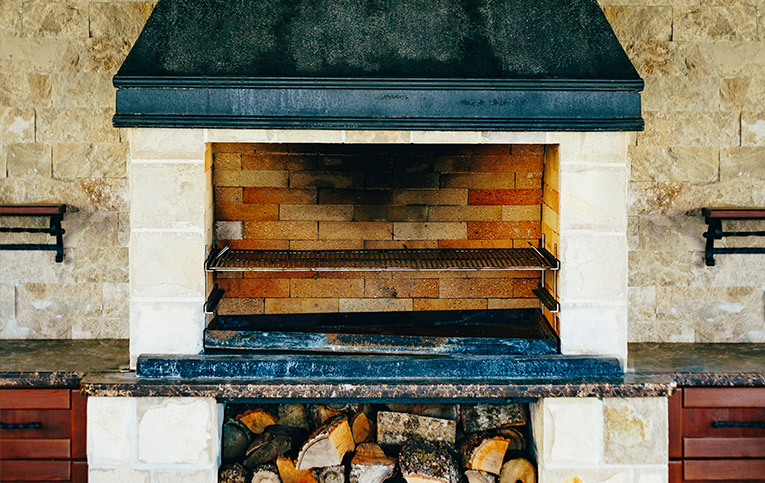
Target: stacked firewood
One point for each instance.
(370, 443)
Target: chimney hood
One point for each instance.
(510, 65)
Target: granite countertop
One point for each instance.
(48, 363)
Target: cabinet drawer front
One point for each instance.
(734, 397)
(30, 449)
(21, 470)
(706, 470)
(700, 422)
(55, 423)
(724, 447)
(34, 398)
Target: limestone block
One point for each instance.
(111, 430)
(116, 297)
(209, 475)
(68, 20)
(753, 129)
(83, 89)
(581, 475)
(170, 196)
(715, 23)
(165, 328)
(170, 144)
(10, 18)
(29, 160)
(595, 268)
(118, 475)
(30, 267)
(680, 93)
(640, 22)
(594, 330)
(447, 137)
(85, 229)
(24, 89)
(119, 19)
(641, 304)
(651, 267)
(590, 147)
(241, 136)
(47, 308)
(103, 55)
(694, 165)
(635, 430)
(83, 160)
(177, 430)
(167, 264)
(690, 129)
(650, 474)
(100, 328)
(308, 136)
(511, 137)
(39, 54)
(75, 125)
(633, 232)
(734, 92)
(678, 199)
(744, 162)
(386, 137)
(593, 198)
(734, 59)
(675, 232)
(729, 271)
(229, 230)
(101, 264)
(571, 431)
(8, 327)
(17, 125)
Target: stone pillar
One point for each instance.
(153, 439)
(171, 201)
(601, 440)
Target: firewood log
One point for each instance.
(235, 439)
(232, 474)
(327, 445)
(482, 417)
(427, 462)
(273, 442)
(393, 429)
(267, 473)
(475, 476)
(486, 451)
(518, 469)
(257, 420)
(289, 474)
(322, 412)
(330, 474)
(442, 411)
(371, 465)
(294, 415)
(363, 428)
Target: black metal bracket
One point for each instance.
(547, 299)
(213, 299)
(56, 215)
(714, 218)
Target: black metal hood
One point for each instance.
(379, 64)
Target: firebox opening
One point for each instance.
(374, 229)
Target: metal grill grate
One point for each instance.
(382, 260)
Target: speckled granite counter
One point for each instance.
(701, 364)
(61, 363)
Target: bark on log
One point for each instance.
(268, 473)
(327, 445)
(275, 441)
(484, 452)
(294, 415)
(289, 474)
(442, 411)
(371, 465)
(518, 469)
(320, 413)
(330, 474)
(235, 439)
(475, 476)
(363, 428)
(482, 417)
(257, 420)
(393, 429)
(232, 474)
(427, 462)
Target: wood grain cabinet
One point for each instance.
(717, 434)
(42, 437)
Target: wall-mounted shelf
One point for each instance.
(714, 218)
(227, 259)
(56, 214)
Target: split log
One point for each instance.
(327, 445)
(427, 462)
(518, 469)
(393, 429)
(273, 442)
(475, 476)
(486, 451)
(482, 417)
(268, 473)
(320, 413)
(257, 420)
(235, 439)
(294, 415)
(442, 411)
(371, 465)
(232, 474)
(330, 474)
(363, 428)
(289, 474)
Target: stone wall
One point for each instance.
(704, 144)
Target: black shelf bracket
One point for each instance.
(56, 214)
(714, 217)
(547, 299)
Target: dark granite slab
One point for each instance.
(62, 363)
(701, 364)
